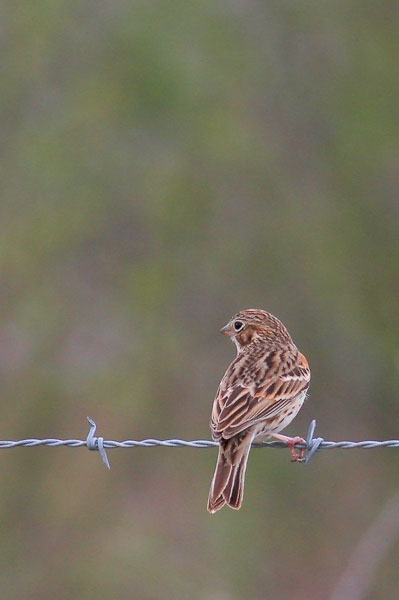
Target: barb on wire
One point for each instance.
(92, 442)
(312, 444)
(96, 443)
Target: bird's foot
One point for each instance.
(291, 443)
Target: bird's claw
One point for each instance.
(296, 456)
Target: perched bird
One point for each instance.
(260, 393)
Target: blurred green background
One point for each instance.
(165, 164)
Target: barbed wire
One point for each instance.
(92, 442)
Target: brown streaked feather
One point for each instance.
(228, 481)
(239, 407)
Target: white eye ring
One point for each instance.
(238, 325)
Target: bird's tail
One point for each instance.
(228, 481)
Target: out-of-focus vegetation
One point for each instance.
(165, 164)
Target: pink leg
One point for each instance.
(291, 441)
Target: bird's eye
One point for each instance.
(238, 325)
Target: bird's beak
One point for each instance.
(226, 330)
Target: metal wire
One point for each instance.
(92, 442)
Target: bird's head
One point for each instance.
(252, 326)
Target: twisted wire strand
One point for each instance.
(178, 443)
(312, 444)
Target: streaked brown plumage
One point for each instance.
(260, 393)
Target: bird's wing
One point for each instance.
(238, 406)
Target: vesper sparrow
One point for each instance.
(260, 393)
